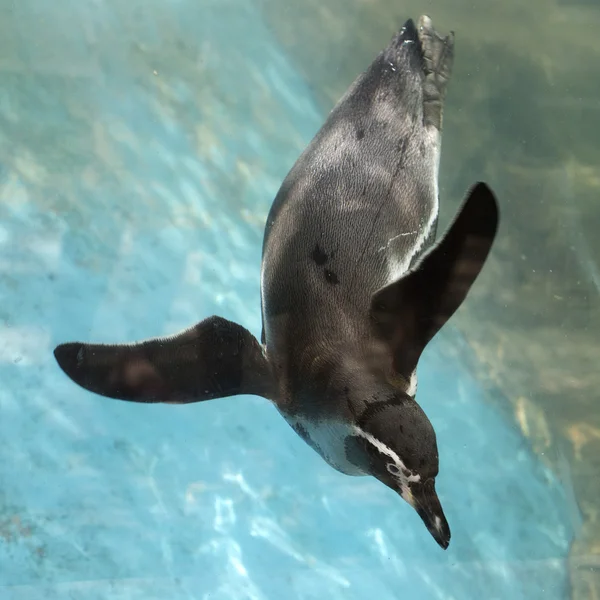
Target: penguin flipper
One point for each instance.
(213, 359)
(410, 311)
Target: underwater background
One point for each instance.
(141, 145)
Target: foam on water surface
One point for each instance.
(129, 210)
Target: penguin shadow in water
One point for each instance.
(353, 286)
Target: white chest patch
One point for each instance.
(328, 439)
(412, 384)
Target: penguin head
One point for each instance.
(395, 442)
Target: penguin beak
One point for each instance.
(425, 501)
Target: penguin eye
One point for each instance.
(393, 469)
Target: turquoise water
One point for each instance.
(123, 218)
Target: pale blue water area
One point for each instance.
(145, 230)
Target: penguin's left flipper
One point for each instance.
(214, 359)
(407, 313)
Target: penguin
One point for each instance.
(354, 285)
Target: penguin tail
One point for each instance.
(429, 54)
(213, 359)
(438, 58)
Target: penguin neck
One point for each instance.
(339, 381)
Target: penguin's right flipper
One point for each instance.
(410, 311)
(214, 359)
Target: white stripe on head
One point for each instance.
(402, 474)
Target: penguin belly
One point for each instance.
(328, 439)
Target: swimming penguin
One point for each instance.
(353, 287)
